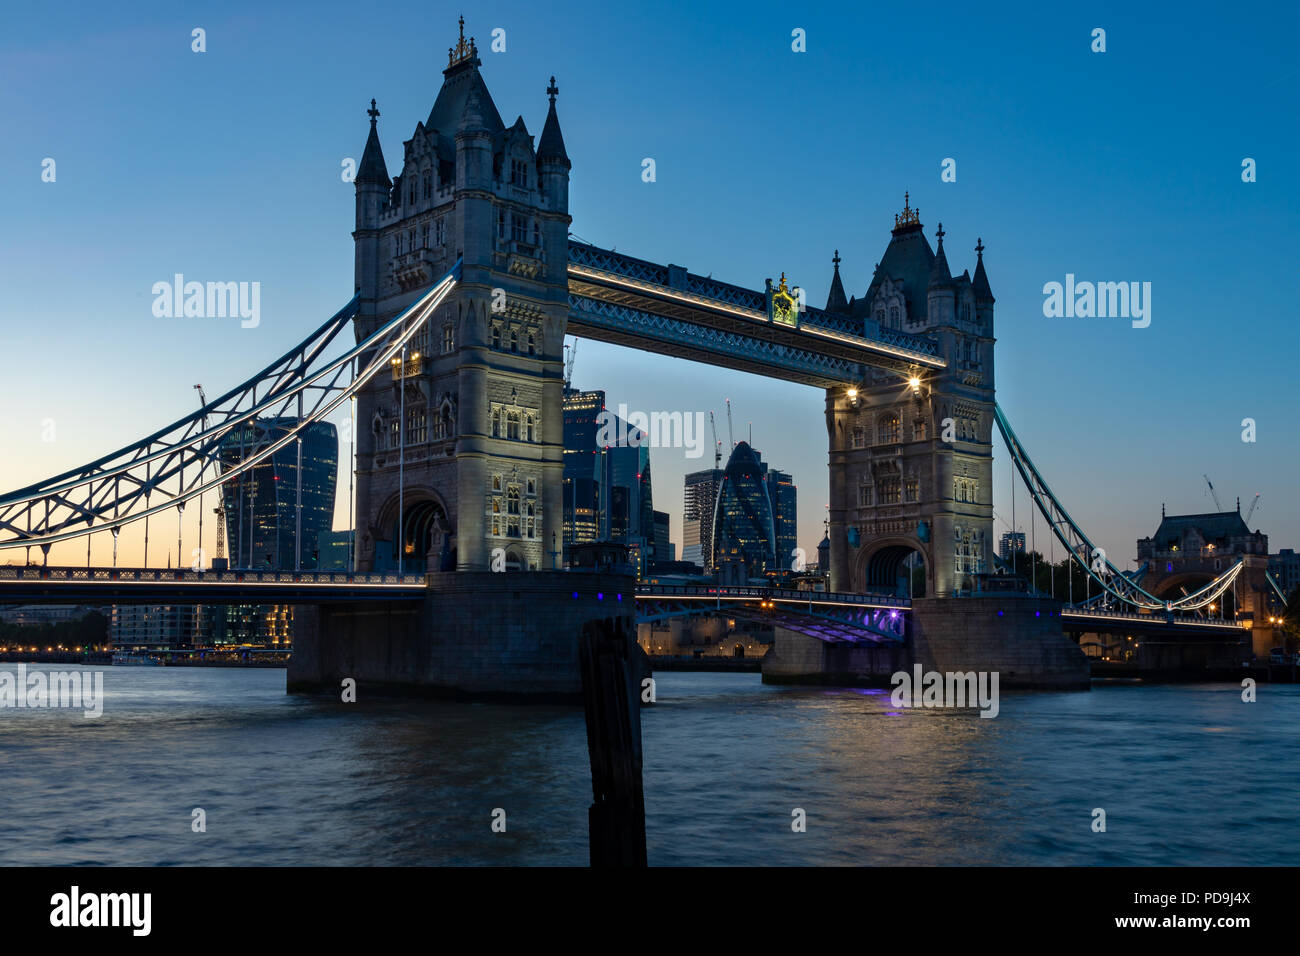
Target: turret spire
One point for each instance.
(980, 284)
(835, 302)
(940, 274)
(373, 169)
(551, 145)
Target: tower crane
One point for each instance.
(717, 445)
(568, 365)
(1250, 511)
(730, 438)
(1217, 506)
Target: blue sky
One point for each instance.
(1121, 166)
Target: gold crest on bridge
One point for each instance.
(783, 303)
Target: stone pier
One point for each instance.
(1020, 637)
(510, 636)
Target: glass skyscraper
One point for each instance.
(743, 528)
(261, 503)
(606, 487)
(755, 517)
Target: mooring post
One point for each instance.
(610, 695)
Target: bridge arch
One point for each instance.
(424, 526)
(884, 564)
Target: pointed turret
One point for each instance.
(836, 302)
(940, 274)
(940, 297)
(980, 284)
(551, 147)
(373, 169)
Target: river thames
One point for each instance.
(1186, 774)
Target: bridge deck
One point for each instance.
(49, 585)
(627, 301)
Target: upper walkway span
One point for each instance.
(623, 300)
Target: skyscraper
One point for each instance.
(607, 493)
(701, 497)
(743, 528)
(261, 504)
(785, 511)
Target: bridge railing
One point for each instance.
(187, 576)
(1156, 617)
(775, 594)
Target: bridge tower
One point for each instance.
(911, 463)
(479, 455)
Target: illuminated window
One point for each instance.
(889, 491)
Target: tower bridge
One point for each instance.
(466, 282)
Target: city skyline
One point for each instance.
(1179, 217)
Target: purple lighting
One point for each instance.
(600, 596)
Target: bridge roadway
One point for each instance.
(834, 616)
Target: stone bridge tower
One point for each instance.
(481, 447)
(911, 462)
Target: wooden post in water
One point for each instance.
(611, 698)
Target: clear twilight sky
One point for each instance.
(1116, 166)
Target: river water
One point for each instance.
(1186, 774)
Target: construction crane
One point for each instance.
(1251, 510)
(730, 438)
(568, 364)
(1217, 506)
(717, 445)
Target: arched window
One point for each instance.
(512, 425)
(512, 500)
(514, 340)
(893, 316)
(496, 336)
(532, 344)
(531, 432)
(889, 431)
(496, 423)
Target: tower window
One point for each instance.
(532, 344)
(889, 491)
(512, 425)
(919, 430)
(514, 340)
(428, 187)
(519, 173)
(889, 429)
(893, 316)
(519, 228)
(501, 223)
(859, 437)
(496, 336)
(448, 337)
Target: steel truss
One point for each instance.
(150, 476)
(1098, 567)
